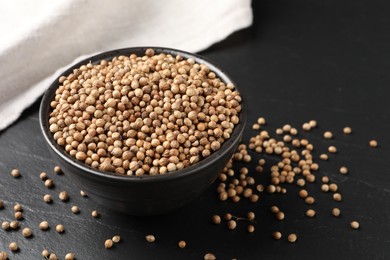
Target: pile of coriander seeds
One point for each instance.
(137, 115)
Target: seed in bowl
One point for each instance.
(143, 115)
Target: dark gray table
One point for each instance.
(301, 60)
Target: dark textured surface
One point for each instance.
(301, 60)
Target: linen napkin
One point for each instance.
(39, 39)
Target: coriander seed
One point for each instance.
(343, 170)
(43, 176)
(328, 135)
(15, 173)
(310, 213)
(216, 219)
(49, 183)
(251, 229)
(373, 143)
(13, 246)
(347, 130)
(57, 169)
(251, 215)
(150, 238)
(309, 200)
(64, 196)
(75, 209)
(332, 149)
(313, 123)
(44, 225)
(3, 255)
(82, 193)
(324, 157)
(69, 256)
(182, 244)
(116, 239)
(18, 215)
(277, 235)
(209, 256)
(292, 238)
(232, 224)
(5, 225)
(14, 225)
(336, 212)
(60, 228)
(27, 232)
(18, 207)
(48, 198)
(108, 243)
(95, 214)
(337, 196)
(274, 209)
(53, 256)
(45, 253)
(279, 215)
(355, 225)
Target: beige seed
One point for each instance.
(232, 224)
(108, 243)
(255, 126)
(251, 215)
(347, 130)
(14, 225)
(228, 216)
(332, 149)
(337, 196)
(70, 256)
(324, 157)
(303, 194)
(216, 219)
(82, 193)
(64, 196)
(274, 209)
(5, 225)
(333, 187)
(13, 246)
(3, 255)
(15, 173)
(292, 238)
(336, 212)
(44, 225)
(277, 235)
(45, 253)
(261, 121)
(116, 239)
(279, 215)
(49, 183)
(355, 225)
(313, 123)
(43, 176)
(325, 187)
(310, 213)
(95, 214)
(373, 143)
(251, 229)
(57, 169)
(306, 127)
(328, 135)
(325, 179)
(47, 198)
(53, 256)
(75, 209)
(182, 244)
(18, 215)
(209, 256)
(309, 200)
(343, 170)
(27, 232)
(60, 228)
(150, 238)
(18, 207)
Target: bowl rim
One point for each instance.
(182, 173)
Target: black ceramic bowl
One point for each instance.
(142, 195)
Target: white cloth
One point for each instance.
(39, 39)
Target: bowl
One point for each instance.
(142, 195)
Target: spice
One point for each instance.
(44, 225)
(116, 239)
(5, 225)
(274, 209)
(251, 215)
(64, 196)
(150, 238)
(75, 209)
(251, 229)
(216, 219)
(3, 255)
(47, 198)
(57, 169)
(95, 214)
(45, 253)
(27, 232)
(209, 256)
(15, 173)
(18, 215)
(336, 212)
(49, 183)
(313, 123)
(14, 225)
(347, 130)
(328, 135)
(162, 104)
(60, 228)
(18, 207)
(332, 149)
(108, 243)
(355, 225)
(82, 193)
(279, 215)
(292, 238)
(53, 256)
(232, 224)
(43, 176)
(69, 256)
(182, 244)
(310, 213)
(343, 170)
(13, 246)
(277, 235)
(373, 143)
(337, 196)
(324, 157)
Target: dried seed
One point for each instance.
(18, 207)
(309, 200)
(82, 193)
(303, 194)
(274, 209)
(232, 224)
(70, 256)
(3, 255)
(45, 253)
(336, 212)
(279, 215)
(333, 187)
(355, 225)
(332, 149)
(251, 215)
(15, 173)
(347, 130)
(14, 225)
(13, 246)
(251, 229)
(182, 244)
(18, 215)
(292, 238)
(325, 187)
(64, 196)
(328, 135)
(343, 170)
(324, 157)
(5, 225)
(116, 239)
(47, 198)
(49, 183)
(75, 209)
(53, 256)
(27, 232)
(209, 256)
(310, 213)
(60, 228)
(325, 179)
(313, 123)
(306, 127)
(373, 143)
(57, 169)
(277, 235)
(216, 219)
(337, 196)
(108, 243)
(95, 214)
(44, 225)
(150, 238)
(228, 216)
(43, 176)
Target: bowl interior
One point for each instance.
(197, 167)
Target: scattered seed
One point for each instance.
(277, 235)
(57, 169)
(313, 123)
(82, 193)
(53, 256)
(332, 149)
(347, 130)
(279, 215)
(116, 239)
(251, 215)
(150, 238)
(49, 183)
(303, 194)
(44, 225)
(95, 214)
(255, 126)
(182, 244)
(325, 187)
(18, 215)
(60, 228)
(251, 228)
(328, 135)
(108, 243)
(14, 225)
(355, 225)
(69, 256)
(5, 225)
(324, 157)
(310, 213)
(373, 143)
(306, 127)
(228, 216)
(343, 170)
(274, 209)
(15, 173)
(13, 246)
(337, 196)
(292, 238)
(3, 255)
(18, 207)
(232, 224)
(333, 187)
(43, 176)
(64, 196)
(1, 204)
(261, 121)
(336, 212)
(209, 256)
(309, 200)
(48, 198)
(45, 253)
(27, 232)
(216, 219)
(325, 179)
(75, 209)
